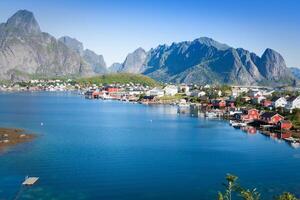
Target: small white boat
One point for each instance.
(295, 144)
(183, 104)
(211, 115)
(238, 124)
(290, 139)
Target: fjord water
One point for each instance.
(92, 149)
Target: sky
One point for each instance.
(115, 28)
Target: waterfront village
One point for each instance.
(274, 112)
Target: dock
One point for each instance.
(30, 181)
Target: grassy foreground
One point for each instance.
(234, 191)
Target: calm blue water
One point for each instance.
(113, 150)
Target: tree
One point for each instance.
(250, 194)
(233, 187)
(230, 187)
(286, 196)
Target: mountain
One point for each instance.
(205, 60)
(115, 67)
(73, 44)
(296, 72)
(134, 62)
(25, 50)
(94, 60)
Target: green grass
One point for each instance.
(172, 98)
(121, 78)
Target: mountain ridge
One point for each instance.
(205, 60)
(96, 61)
(26, 50)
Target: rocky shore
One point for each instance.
(12, 136)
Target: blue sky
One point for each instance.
(115, 28)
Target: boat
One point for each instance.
(183, 107)
(211, 115)
(183, 104)
(237, 124)
(294, 142)
(291, 139)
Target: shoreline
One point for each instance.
(10, 137)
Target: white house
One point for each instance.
(237, 91)
(155, 92)
(255, 93)
(206, 86)
(201, 94)
(197, 93)
(293, 102)
(258, 99)
(278, 102)
(268, 92)
(219, 93)
(184, 88)
(171, 90)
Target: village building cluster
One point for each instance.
(250, 108)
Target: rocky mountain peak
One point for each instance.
(210, 42)
(23, 21)
(115, 67)
(271, 55)
(134, 61)
(72, 43)
(94, 60)
(25, 51)
(273, 67)
(139, 50)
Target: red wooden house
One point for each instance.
(230, 104)
(250, 115)
(219, 103)
(285, 125)
(266, 103)
(111, 89)
(95, 94)
(286, 134)
(271, 117)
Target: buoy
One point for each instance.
(42, 123)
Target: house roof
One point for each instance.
(149, 97)
(246, 111)
(275, 99)
(269, 114)
(292, 98)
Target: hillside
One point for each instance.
(121, 78)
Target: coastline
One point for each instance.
(10, 137)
